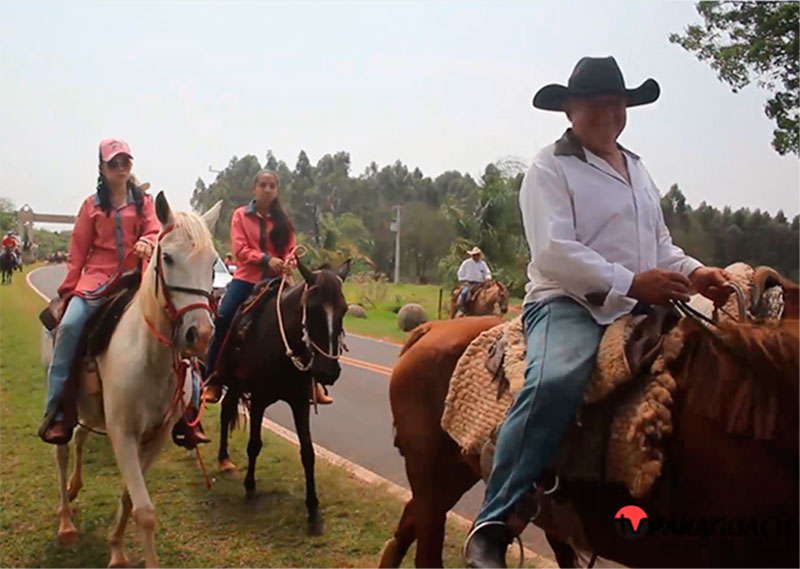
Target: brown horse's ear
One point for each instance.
(163, 211)
(307, 275)
(344, 270)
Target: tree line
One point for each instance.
(339, 215)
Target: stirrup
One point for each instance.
(474, 530)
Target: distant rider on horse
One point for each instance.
(11, 246)
(472, 273)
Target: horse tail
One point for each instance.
(415, 335)
(232, 410)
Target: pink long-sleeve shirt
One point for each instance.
(102, 244)
(251, 245)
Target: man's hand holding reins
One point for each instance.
(659, 286)
(711, 282)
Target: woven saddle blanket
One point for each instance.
(625, 412)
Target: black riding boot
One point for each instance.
(486, 545)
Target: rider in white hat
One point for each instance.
(473, 271)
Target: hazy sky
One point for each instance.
(440, 85)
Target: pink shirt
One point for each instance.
(101, 243)
(247, 226)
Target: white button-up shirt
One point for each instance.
(589, 231)
(474, 272)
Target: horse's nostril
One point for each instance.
(191, 335)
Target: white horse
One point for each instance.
(135, 394)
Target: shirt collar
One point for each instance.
(569, 145)
(250, 209)
(128, 198)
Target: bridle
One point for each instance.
(310, 344)
(174, 313)
(180, 365)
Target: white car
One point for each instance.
(221, 278)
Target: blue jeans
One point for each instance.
(68, 336)
(562, 343)
(237, 292)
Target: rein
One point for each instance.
(310, 345)
(711, 325)
(688, 311)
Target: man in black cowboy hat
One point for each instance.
(599, 244)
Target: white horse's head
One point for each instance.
(180, 276)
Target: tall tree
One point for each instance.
(753, 41)
(8, 214)
(425, 238)
(234, 186)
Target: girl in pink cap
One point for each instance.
(116, 227)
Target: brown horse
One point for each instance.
(729, 492)
(491, 298)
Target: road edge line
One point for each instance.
(33, 286)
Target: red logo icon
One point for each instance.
(632, 513)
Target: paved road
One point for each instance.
(358, 426)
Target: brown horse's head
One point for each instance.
(503, 295)
(493, 298)
(326, 307)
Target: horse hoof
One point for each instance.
(226, 465)
(316, 526)
(68, 537)
(249, 493)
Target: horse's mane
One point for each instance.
(746, 377)
(191, 227)
(188, 227)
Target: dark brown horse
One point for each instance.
(261, 371)
(8, 262)
(729, 492)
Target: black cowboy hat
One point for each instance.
(595, 76)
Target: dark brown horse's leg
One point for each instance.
(300, 412)
(253, 445)
(227, 416)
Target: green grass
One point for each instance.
(382, 300)
(196, 527)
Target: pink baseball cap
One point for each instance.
(110, 147)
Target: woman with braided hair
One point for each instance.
(262, 241)
(116, 227)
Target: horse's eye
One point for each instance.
(168, 259)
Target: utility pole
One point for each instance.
(398, 208)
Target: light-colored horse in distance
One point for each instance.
(130, 395)
(492, 298)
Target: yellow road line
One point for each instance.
(376, 368)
